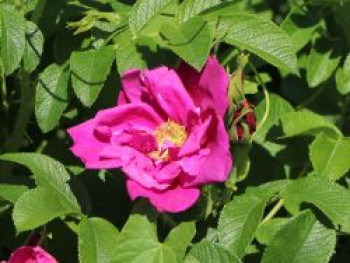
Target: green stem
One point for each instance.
(230, 55)
(5, 104)
(24, 114)
(273, 211)
(343, 112)
(266, 94)
(314, 96)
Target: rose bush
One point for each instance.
(167, 134)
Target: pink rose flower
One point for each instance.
(28, 254)
(167, 134)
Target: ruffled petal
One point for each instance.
(86, 145)
(167, 89)
(171, 200)
(28, 254)
(212, 164)
(208, 88)
(136, 116)
(195, 139)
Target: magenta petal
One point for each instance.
(215, 81)
(195, 139)
(171, 200)
(27, 254)
(86, 146)
(208, 88)
(168, 90)
(212, 167)
(132, 85)
(136, 116)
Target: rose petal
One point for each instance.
(213, 167)
(27, 254)
(168, 90)
(209, 88)
(137, 116)
(171, 200)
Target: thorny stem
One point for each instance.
(273, 211)
(266, 94)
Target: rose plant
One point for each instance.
(174, 131)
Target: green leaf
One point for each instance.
(331, 198)
(302, 239)
(180, 238)
(207, 252)
(49, 174)
(11, 192)
(342, 77)
(238, 222)
(138, 243)
(190, 8)
(143, 11)
(261, 37)
(12, 40)
(97, 240)
(307, 123)
(278, 107)
(329, 156)
(89, 71)
(37, 207)
(191, 40)
(269, 229)
(322, 62)
(300, 25)
(33, 47)
(51, 97)
(127, 53)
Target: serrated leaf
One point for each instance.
(97, 240)
(207, 252)
(12, 40)
(37, 207)
(89, 71)
(11, 192)
(261, 37)
(190, 8)
(323, 60)
(191, 41)
(300, 26)
(180, 238)
(302, 239)
(269, 229)
(307, 123)
(329, 156)
(143, 11)
(49, 174)
(238, 222)
(33, 47)
(328, 196)
(51, 97)
(342, 77)
(138, 243)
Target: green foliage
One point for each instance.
(97, 240)
(51, 97)
(261, 37)
(287, 196)
(310, 242)
(89, 71)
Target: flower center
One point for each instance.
(172, 132)
(168, 132)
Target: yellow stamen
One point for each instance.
(169, 131)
